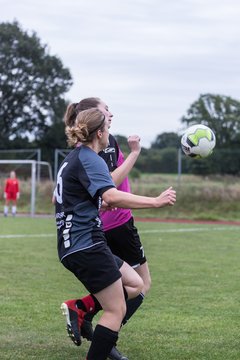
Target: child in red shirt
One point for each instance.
(11, 193)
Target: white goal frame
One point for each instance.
(34, 165)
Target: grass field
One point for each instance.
(192, 311)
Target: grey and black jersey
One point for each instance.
(82, 179)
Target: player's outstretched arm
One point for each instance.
(114, 197)
(123, 170)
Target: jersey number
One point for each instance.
(59, 187)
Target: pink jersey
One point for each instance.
(115, 218)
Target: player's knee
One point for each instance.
(147, 285)
(119, 309)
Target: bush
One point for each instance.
(198, 197)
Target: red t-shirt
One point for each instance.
(11, 188)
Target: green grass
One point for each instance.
(192, 311)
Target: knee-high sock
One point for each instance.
(132, 306)
(102, 343)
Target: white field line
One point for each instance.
(9, 236)
(156, 231)
(227, 228)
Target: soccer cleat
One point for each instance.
(74, 319)
(116, 355)
(87, 330)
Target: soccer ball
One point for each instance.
(198, 141)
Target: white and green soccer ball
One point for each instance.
(198, 141)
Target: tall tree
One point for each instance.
(221, 114)
(165, 140)
(32, 85)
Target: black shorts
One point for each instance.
(124, 242)
(95, 267)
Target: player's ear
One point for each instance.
(99, 133)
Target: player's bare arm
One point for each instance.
(114, 197)
(123, 170)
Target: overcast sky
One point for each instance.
(149, 60)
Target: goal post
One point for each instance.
(59, 153)
(26, 154)
(33, 164)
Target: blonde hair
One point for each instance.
(85, 127)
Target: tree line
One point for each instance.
(33, 85)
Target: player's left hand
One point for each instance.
(167, 197)
(134, 143)
(106, 207)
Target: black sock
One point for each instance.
(132, 306)
(102, 343)
(89, 315)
